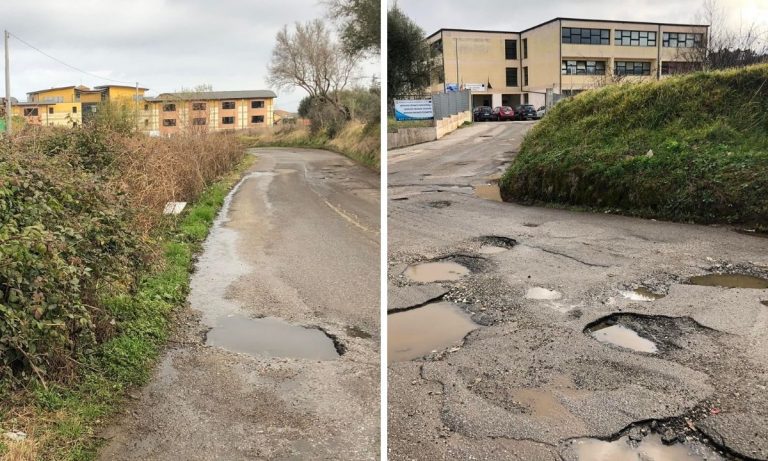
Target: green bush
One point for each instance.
(691, 148)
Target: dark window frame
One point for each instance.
(199, 121)
(31, 112)
(637, 68)
(257, 104)
(170, 107)
(634, 37)
(254, 119)
(224, 120)
(510, 49)
(74, 109)
(572, 67)
(169, 122)
(50, 111)
(689, 40)
(199, 106)
(511, 76)
(585, 36)
(525, 76)
(525, 48)
(225, 105)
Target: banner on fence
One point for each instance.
(413, 109)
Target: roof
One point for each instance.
(565, 19)
(208, 95)
(104, 87)
(52, 89)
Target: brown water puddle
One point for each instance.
(439, 271)
(622, 336)
(417, 332)
(729, 281)
(488, 192)
(270, 337)
(642, 294)
(650, 448)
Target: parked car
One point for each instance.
(525, 112)
(483, 114)
(541, 111)
(504, 113)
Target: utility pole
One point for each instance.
(8, 116)
(137, 104)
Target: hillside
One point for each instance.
(688, 148)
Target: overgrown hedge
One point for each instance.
(689, 148)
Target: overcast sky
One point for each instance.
(163, 44)
(516, 15)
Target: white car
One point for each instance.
(541, 111)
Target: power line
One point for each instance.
(64, 63)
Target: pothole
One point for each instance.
(729, 281)
(619, 335)
(271, 337)
(647, 448)
(492, 244)
(398, 199)
(437, 271)
(417, 332)
(642, 294)
(530, 224)
(542, 294)
(356, 332)
(764, 303)
(489, 191)
(439, 204)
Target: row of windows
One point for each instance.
(202, 106)
(204, 121)
(34, 112)
(634, 38)
(584, 36)
(583, 68)
(632, 68)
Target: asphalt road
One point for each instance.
(298, 242)
(529, 382)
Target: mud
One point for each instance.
(439, 271)
(730, 281)
(642, 294)
(649, 448)
(431, 328)
(488, 192)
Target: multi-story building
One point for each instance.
(165, 114)
(170, 113)
(563, 55)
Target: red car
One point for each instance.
(504, 113)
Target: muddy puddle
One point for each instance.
(439, 271)
(649, 448)
(729, 281)
(542, 294)
(619, 335)
(417, 332)
(488, 191)
(641, 294)
(270, 337)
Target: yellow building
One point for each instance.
(563, 56)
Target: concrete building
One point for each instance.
(165, 114)
(563, 55)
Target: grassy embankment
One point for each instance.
(689, 148)
(359, 141)
(91, 271)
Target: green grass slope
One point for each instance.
(689, 148)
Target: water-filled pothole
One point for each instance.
(648, 448)
(642, 294)
(542, 294)
(437, 271)
(489, 191)
(417, 332)
(271, 337)
(729, 281)
(619, 335)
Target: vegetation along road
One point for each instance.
(274, 358)
(559, 332)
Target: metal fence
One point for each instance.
(447, 104)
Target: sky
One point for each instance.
(165, 45)
(516, 15)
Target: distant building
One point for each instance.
(166, 114)
(562, 55)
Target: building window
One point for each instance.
(525, 48)
(257, 104)
(437, 47)
(169, 107)
(228, 105)
(525, 75)
(169, 122)
(680, 40)
(74, 109)
(50, 110)
(146, 106)
(672, 67)
(257, 119)
(146, 122)
(632, 68)
(198, 121)
(228, 120)
(198, 106)
(586, 36)
(511, 76)
(30, 112)
(582, 68)
(634, 38)
(510, 49)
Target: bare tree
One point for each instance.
(308, 58)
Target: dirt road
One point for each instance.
(288, 280)
(590, 341)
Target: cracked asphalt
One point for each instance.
(529, 381)
(300, 233)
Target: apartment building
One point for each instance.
(563, 56)
(166, 114)
(170, 113)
